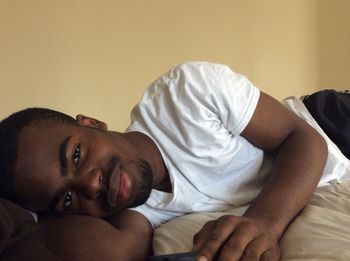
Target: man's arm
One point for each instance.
(300, 158)
(76, 237)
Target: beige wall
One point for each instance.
(334, 44)
(97, 57)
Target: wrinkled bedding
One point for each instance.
(320, 232)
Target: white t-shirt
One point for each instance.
(195, 114)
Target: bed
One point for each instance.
(320, 232)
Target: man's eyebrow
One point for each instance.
(63, 156)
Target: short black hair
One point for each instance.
(10, 130)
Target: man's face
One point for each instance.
(78, 169)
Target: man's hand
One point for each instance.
(235, 238)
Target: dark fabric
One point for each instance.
(21, 238)
(331, 110)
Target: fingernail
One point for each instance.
(202, 258)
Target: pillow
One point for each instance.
(21, 238)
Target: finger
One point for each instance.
(255, 249)
(273, 254)
(261, 248)
(270, 255)
(238, 242)
(200, 237)
(218, 236)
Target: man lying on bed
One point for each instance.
(195, 143)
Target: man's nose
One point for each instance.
(90, 183)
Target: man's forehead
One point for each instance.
(37, 167)
(48, 126)
(35, 139)
(39, 144)
(44, 134)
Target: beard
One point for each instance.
(144, 187)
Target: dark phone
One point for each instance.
(187, 256)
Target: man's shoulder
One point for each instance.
(200, 66)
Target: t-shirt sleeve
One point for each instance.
(238, 99)
(231, 96)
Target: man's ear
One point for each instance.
(91, 122)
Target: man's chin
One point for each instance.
(142, 199)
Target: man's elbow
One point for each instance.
(319, 149)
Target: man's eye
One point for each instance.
(68, 199)
(76, 156)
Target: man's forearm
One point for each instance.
(299, 163)
(296, 172)
(77, 237)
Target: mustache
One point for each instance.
(112, 162)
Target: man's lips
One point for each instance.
(113, 185)
(119, 186)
